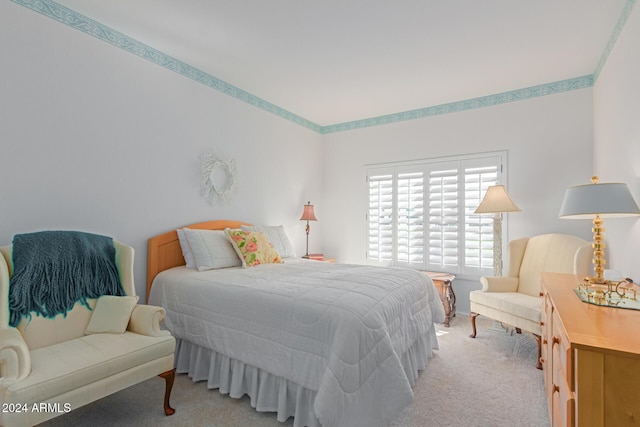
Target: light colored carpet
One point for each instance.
(487, 381)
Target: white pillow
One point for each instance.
(186, 250)
(277, 236)
(111, 314)
(211, 249)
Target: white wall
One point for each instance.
(96, 139)
(549, 141)
(617, 141)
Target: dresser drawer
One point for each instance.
(561, 349)
(563, 404)
(562, 392)
(545, 346)
(562, 395)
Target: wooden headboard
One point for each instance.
(164, 252)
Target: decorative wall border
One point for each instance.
(469, 104)
(87, 25)
(628, 7)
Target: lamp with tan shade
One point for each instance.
(497, 201)
(308, 215)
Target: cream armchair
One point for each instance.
(50, 366)
(515, 298)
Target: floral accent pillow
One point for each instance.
(253, 247)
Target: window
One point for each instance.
(420, 213)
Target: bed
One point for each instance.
(328, 344)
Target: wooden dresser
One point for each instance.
(590, 357)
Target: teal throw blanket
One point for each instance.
(52, 270)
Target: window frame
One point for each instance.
(484, 224)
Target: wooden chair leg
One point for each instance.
(168, 376)
(539, 340)
(473, 316)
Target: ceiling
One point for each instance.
(336, 61)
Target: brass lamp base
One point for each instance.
(598, 250)
(603, 290)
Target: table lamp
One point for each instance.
(496, 201)
(598, 200)
(308, 215)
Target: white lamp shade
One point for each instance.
(496, 200)
(607, 200)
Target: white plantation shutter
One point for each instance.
(444, 227)
(380, 218)
(420, 214)
(478, 177)
(410, 218)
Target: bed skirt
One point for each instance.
(270, 393)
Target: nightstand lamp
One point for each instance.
(308, 215)
(612, 200)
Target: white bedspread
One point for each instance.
(340, 330)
